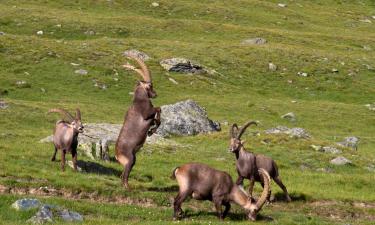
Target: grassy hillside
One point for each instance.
(306, 36)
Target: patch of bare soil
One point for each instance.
(68, 194)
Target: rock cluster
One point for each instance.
(182, 65)
(296, 132)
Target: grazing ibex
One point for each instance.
(205, 183)
(65, 135)
(142, 119)
(248, 163)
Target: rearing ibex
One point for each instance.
(205, 183)
(141, 119)
(248, 163)
(65, 135)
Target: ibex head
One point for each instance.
(74, 122)
(146, 83)
(235, 136)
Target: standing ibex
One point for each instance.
(248, 163)
(139, 119)
(65, 135)
(205, 183)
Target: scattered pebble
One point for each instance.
(351, 142)
(255, 41)
(74, 64)
(334, 70)
(289, 116)
(340, 161)
(272, 66)
(371, 107)
(172, 80)
(22, 84)
(302, 74)
(90, 32)
(3, 104)
(366, 21)
(2, 33)
(155, 4)
(58, 25)
(136, 53)
(39, 32)
(282, 5)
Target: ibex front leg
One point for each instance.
(156, 122)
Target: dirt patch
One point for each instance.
(68, 194)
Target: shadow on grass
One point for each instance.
(173, 188)
(296, 197)
(93, 167)
(229, 217)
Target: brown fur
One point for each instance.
(141, 119)
(202, 182)
(248, 163)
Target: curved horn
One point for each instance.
(243, 129)
(144, 72)
(63, 113)
(266, 190)
(78, 114)
(232, 132)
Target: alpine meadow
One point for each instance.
(303, 71)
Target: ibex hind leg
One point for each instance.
(128, 163)
(54, 155)
(180, 198)
(282, 186)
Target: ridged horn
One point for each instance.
(266, 188)
(62, 113)
(243, 129)
(232, 132)
(144, 72)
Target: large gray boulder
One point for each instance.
(349, 142)
(43, 215)
(185, 118)
(182, 65)
(26, 204)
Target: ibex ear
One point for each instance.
(78, 114)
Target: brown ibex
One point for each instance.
(65, 135)
(248, 163)
(141, 119)
(202, 182)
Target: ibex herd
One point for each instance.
(195, 180)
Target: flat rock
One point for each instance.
(2, 33)
(289, 116)
(371, 107)
(255, 41)
(70, 216)
(140, 55)
(26, 204)
(3, 104)
(182, 65)
(272, 67)
(22, 84)
(350, 142)
(302, 74)
(329, 149)
(185, 118)
(296, 132)
(340, 161)
(81, 72)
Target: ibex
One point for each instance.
(202, 182)
(141, 119)
(248, 163)
(65, 135)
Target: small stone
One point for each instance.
(70, 216)
(373, 17)
(325, 170)
(289, 116)
(90, 32)
(70, 163)
(172, 80)
(328, 149)
(366, 21)
(26, 204)
(74, 64)
(3, 104)
(22, 84)
(43, 215)
(371, 107)
(351, 142)
(290, 81)
(367, 48)
(131, 93)
(316, 147)
(272, 66)
(370, 168)
(43, 90)
(81, 72)
(340, 161)
(282, 5)
(182, 65)
(302, 74)
(334, 70)
(115, 79)
(134, 52)
(155, 4)
(39, 32)
(58, 25)
(255, 41)
(295, 132)
(2, 33)
(293, 101)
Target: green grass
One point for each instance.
(307, 36)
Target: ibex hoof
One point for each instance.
(53, 159)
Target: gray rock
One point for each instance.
(26, 204)
(370, 168)
(81, 72)
(154, 4)
(3, 104)
(334, 70)
(90, 32)
(289, 116)
(329, 149)
(133, 52)
(185, 118)
(70, 216)
(43, 215)
(350, 142)
(182, 65)
(255, 41)
(272, 66)
(282, 5)
(340, 161)
(371, 107)
(292, 132)
(302, 74)
(2, 33)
